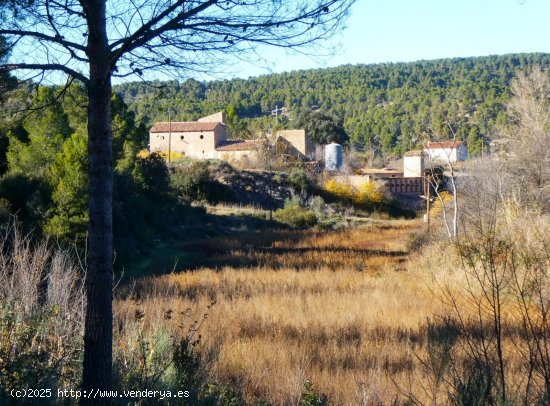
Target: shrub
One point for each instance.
(444, 200)
(42, 306)
(142, 357)
(299, 181)
(160, 353)
(317, 205)
(174, 155)
(295, 215)
(151, 174)
(195, 183)
(341, 190)
(4, 210)
(311, 398)
(222, 395)
(144, 153)
(192, 182)
(29, 198)
(369, 193)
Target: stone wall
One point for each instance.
(192, 144)
(298, 139)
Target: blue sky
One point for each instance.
(409, 30)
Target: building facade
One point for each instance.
(446, 151)
(193, 139)
(413, 164)
(298, 139)
(206, 138)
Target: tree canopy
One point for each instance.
(142, 36)
(323, 128)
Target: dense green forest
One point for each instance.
(388, 108)
(43, 183)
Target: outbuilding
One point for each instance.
(446, 151)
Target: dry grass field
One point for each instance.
(341, 309)
(348, 311)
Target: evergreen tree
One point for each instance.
(323, 128)
(69, 178)
(45, 130)
(475, 142)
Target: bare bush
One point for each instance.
(529, 133)
(42, 305)
(497, 296)
(502, 306)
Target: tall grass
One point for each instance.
(42, 308)
(41, 314)
(333, 308)
(351, 314)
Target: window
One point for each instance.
(201, 137)
(181, 137)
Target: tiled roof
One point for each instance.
(183, 126)
(444, 144)
(416, 152)
(238, 145)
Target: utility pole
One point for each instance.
(275, 113)
(270, 184)
(427, 197)
(169, 135)
(280, 111)
(428, 205)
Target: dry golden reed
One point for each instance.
(346, 310)
(337, 308)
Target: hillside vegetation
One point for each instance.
(331, 307)
(387, 108)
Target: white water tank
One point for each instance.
(334, 157)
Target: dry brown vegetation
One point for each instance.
(42, 308)
(339, 308)
(354, 313)
(351, 311)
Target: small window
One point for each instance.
(201, 137)
(181, 137)
(162, 137)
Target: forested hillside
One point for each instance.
(386, 107)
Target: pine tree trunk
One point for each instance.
(97, 369)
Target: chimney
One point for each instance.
(218, 117)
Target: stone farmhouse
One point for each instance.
(446, 151)
(206, 138)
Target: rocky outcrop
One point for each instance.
(262, 189)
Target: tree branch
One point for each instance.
(52, 67)
(38, 35)
(144, 33)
